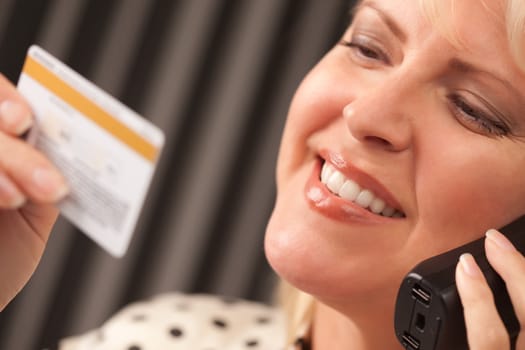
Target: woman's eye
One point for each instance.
(366, 51)
(477, 119)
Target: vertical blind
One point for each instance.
(217, 77)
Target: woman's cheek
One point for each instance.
(459, 192)
(320, 99)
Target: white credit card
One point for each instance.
(106, 152)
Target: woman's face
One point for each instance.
(432, 128)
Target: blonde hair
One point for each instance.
(298, 306)
(516, 30)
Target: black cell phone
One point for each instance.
(429, 314)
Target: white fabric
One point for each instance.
(187, 322)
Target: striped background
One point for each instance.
(217, 77)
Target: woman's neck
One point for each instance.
(368, 330)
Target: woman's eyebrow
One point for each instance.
(389, 21)
(458, 65)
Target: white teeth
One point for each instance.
(365, 198)
(377, 206)
(335, 182)
(349, 190)
(388, 211)
(326, 172)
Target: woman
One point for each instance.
(406, 140)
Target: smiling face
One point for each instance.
(421, 143)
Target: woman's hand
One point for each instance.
(485, 330)
(29, 185)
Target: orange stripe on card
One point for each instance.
(103, 119)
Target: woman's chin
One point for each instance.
(312, 270)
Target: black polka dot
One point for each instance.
(138, 317)
(219, 323)
(100, 336)
(252, 343)
(182, 306)
(229, 300)
(263, 320)
(301, 343)
(176, 332)
(134, 347)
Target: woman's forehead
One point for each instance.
(472, 26)
(490, 28)
(450, 16)
(467, 19)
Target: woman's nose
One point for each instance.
(381, 118)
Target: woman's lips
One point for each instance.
(322, 198)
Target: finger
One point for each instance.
(510, 265)
(15, 119)
(10, 196)
(485, 330)
(32, 173)
(15, 114)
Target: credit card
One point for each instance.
(106, 151)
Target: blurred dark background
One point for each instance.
(217, 76)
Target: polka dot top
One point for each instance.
(188, 322)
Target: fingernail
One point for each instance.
(14, 117)
(15, 198)
(500, 240)
(50, 182)
(469, 265)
